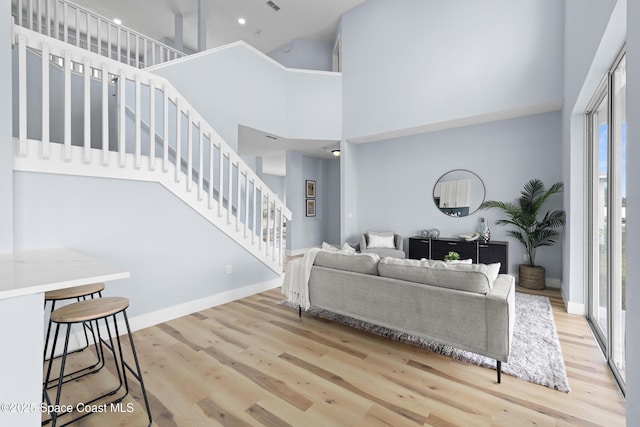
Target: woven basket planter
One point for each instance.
(531, 277)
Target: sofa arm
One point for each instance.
(501, 315)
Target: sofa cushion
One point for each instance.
(465, 277)
(348, 261)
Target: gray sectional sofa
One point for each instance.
(469, 307)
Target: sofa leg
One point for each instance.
(299, 311)
(499, 370)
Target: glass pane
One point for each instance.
(599, 303)
(618, 223)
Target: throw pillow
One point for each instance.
(348, 248)
(327, 247)
(492, 271)
(381, 240)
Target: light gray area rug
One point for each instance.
(535, 356)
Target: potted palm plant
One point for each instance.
(532, 228)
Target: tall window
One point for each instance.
(607, 138)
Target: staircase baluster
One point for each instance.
(152, 125)
(46, 145)
(87, 33)
(211, 150)
(19, 13)
(189, 152)
(200, 159)
(253, 213)
(246, 203)
(267, 241)
(47, 17)
(221, 181)
(238, 194)
(230, 187)
(30, 14)
(65, 23)
(178, 159)
(105, 115)
(77, 22)
(67, 106)
(98, 35)
(122, 106)
(22, 94)
(281, 221)
(56, 20)
(86, 153)
(138, 123)
(260, 211)
(165, 128)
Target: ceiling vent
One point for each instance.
(271, 137)
(273, 6)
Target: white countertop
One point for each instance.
(32, 272)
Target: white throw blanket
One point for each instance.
(296, 279)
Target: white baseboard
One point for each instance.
(573, 307)
(77, 340)
(184, 309)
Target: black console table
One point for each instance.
(479, 252)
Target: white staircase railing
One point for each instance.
(68, 22)
(164, 140)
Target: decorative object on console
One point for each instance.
(434, 233)
(531, 231)
(452, 256)
(483, 230)
(470, 237)
(458, 193)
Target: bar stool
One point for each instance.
(93, 310)
(79, 293)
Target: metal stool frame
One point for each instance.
(121, 367)
(91, 369)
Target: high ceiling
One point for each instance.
(265, 28)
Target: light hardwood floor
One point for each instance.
(253, 362)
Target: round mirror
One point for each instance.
(458, 193)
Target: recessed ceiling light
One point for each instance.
(242, 21)
(117, 21)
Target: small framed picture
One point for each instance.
(311, 207)
(310, 188)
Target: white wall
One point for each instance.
(331, 206)
(585, 24)
(6, 147)
(174, 255)
(633, 213)
(236, 85)
(395, 178)
(305, 232)
(413, 63)
(305, 54)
